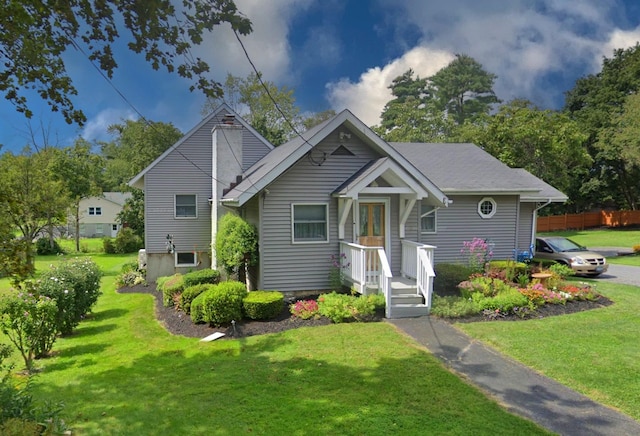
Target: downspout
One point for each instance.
(535, 220)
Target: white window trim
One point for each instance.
(175, 216)
(326, 218)
(433, 212)
(494, 209)
(195, 259)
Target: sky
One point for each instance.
(338, 54)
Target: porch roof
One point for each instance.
(400, 181)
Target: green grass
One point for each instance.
(87, 245)
(122, 373)
(633, 260)
(594, 352)
(602, 237)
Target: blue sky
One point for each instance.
(344, 54)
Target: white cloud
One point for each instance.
(520, 41)
(366, 97)
(267, 44)
(618, 39)
(96, 128)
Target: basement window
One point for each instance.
(188, 258)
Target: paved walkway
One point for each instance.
(517, 387)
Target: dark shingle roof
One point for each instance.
(464, 167)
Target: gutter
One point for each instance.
(535, 219)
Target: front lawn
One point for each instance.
(594, 352)
(120, 372)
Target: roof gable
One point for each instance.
(138, 180)
(283, 157)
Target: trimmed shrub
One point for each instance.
(170, 287)
(210, 276)
(108, 246)
(127, 241)
(196, 309)
(44, 247)
(263, 304)
(448, 277)
(189, 294)
(75, 286)
(220, 304)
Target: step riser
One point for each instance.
(403, 291)
(406, 299)
(409, 312)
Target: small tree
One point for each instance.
(236, 246)
(29, 323)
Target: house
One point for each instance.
(391, 210)
(98, 215)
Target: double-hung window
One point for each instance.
(95, 211)
(310, 222)
(186, 206)
(427, 219)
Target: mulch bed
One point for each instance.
(178, 323)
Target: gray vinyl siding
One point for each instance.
(460, 222)
(187, 170)
(526, 225)
(291, 267)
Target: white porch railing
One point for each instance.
(368, 267)
(417, 263)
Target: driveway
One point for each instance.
(625, 274)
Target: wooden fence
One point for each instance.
(586, 220)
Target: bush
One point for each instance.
(18, 414)
(342, 307)
(263, 304)
(448, 276)
(304, 309)
(127, 241)
(44, 247)
(75, 287)
(220, 304)
(29, 321)
(210, 276)
(131, 275)
(189, 294)
(170, 287)
(453, 307)
(505, 301)
(108, 246)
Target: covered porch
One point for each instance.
(380, 202)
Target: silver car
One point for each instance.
(567, 252)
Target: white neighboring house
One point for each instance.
(98, 215)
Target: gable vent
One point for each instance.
(342, 151)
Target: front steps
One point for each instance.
(405, 300)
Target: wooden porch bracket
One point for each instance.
(406, 205)
(344, 205)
